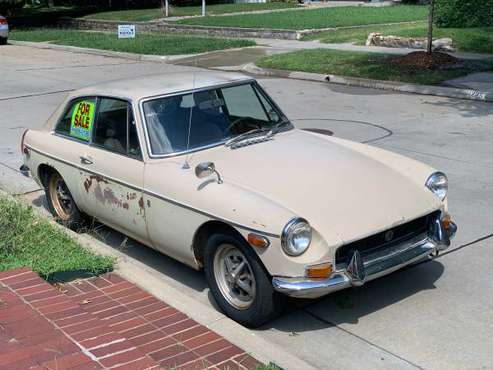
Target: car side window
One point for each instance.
(115, 128)
(78, 120)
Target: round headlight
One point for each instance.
(438, 184)
(296, 237)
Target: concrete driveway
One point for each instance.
(437, 315)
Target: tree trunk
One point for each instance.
(203, 8)
(165, 7)
(431, 18)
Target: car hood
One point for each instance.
(344, 194)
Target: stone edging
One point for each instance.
(162, 27)
(450, 92)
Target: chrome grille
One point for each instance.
(380, 245)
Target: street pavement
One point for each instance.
(437, 315)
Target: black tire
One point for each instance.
(64, 211)
(3, 41)
(266, 304)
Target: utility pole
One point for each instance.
(203, 8)
(431, 17)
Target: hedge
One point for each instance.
(464, 13)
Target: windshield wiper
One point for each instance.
(246, 135)
(270, 131)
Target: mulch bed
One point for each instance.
(419, 60)
(102, 323)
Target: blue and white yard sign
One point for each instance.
(126, 31)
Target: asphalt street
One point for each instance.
(437, 315)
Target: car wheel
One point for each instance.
(239, 283)
(3, 41)
(61, 203)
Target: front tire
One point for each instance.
(3, 41)
(61, 203)
(239, 283)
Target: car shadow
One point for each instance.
(350, 305)
(346, 306)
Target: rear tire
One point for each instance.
(3, 41)
(61, 203)
(239, 283)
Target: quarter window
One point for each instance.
(78, 120)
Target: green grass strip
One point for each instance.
(142, 44)
(365, 65)
(318, 18)
(27, 239)
(141, 15)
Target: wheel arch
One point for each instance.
(205, 231)
(44, 171)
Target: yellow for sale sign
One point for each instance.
(82, 120)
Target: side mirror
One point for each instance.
(206, 169)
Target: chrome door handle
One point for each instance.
(85, 159)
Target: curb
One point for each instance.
(449, 92)
(156, 284)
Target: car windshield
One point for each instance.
(204, 118)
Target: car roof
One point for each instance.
(160, 84)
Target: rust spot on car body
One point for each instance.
(141, 204)
(90, 179)
(109, 196)
(131, 196)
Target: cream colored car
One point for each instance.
(207, 169)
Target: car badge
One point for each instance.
(389, 235)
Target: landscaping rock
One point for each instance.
(377, 39)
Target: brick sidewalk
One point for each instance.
(102, 323)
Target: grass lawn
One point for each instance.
(30, 240)
(142, 44)
(479, 40)
(318, 18)
(366, 65)
(150, 14)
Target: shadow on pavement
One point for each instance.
(349, 306)
(343, 307)
(465, 108)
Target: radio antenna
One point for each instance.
(186, 165)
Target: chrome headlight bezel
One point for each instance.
(437, 183)
(293, 227)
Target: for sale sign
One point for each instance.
(82, 120)
(126, 31)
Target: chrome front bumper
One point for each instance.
(357, 272)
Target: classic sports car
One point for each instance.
(207, 169)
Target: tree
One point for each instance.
(203, 8)
(165, 7)
(431, 19)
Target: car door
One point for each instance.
(113, 169)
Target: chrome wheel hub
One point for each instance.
(234, 276)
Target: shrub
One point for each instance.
(8, 6)
(464, 13)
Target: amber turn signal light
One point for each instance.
(446, 220)
(321, 271)
(258, 241)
